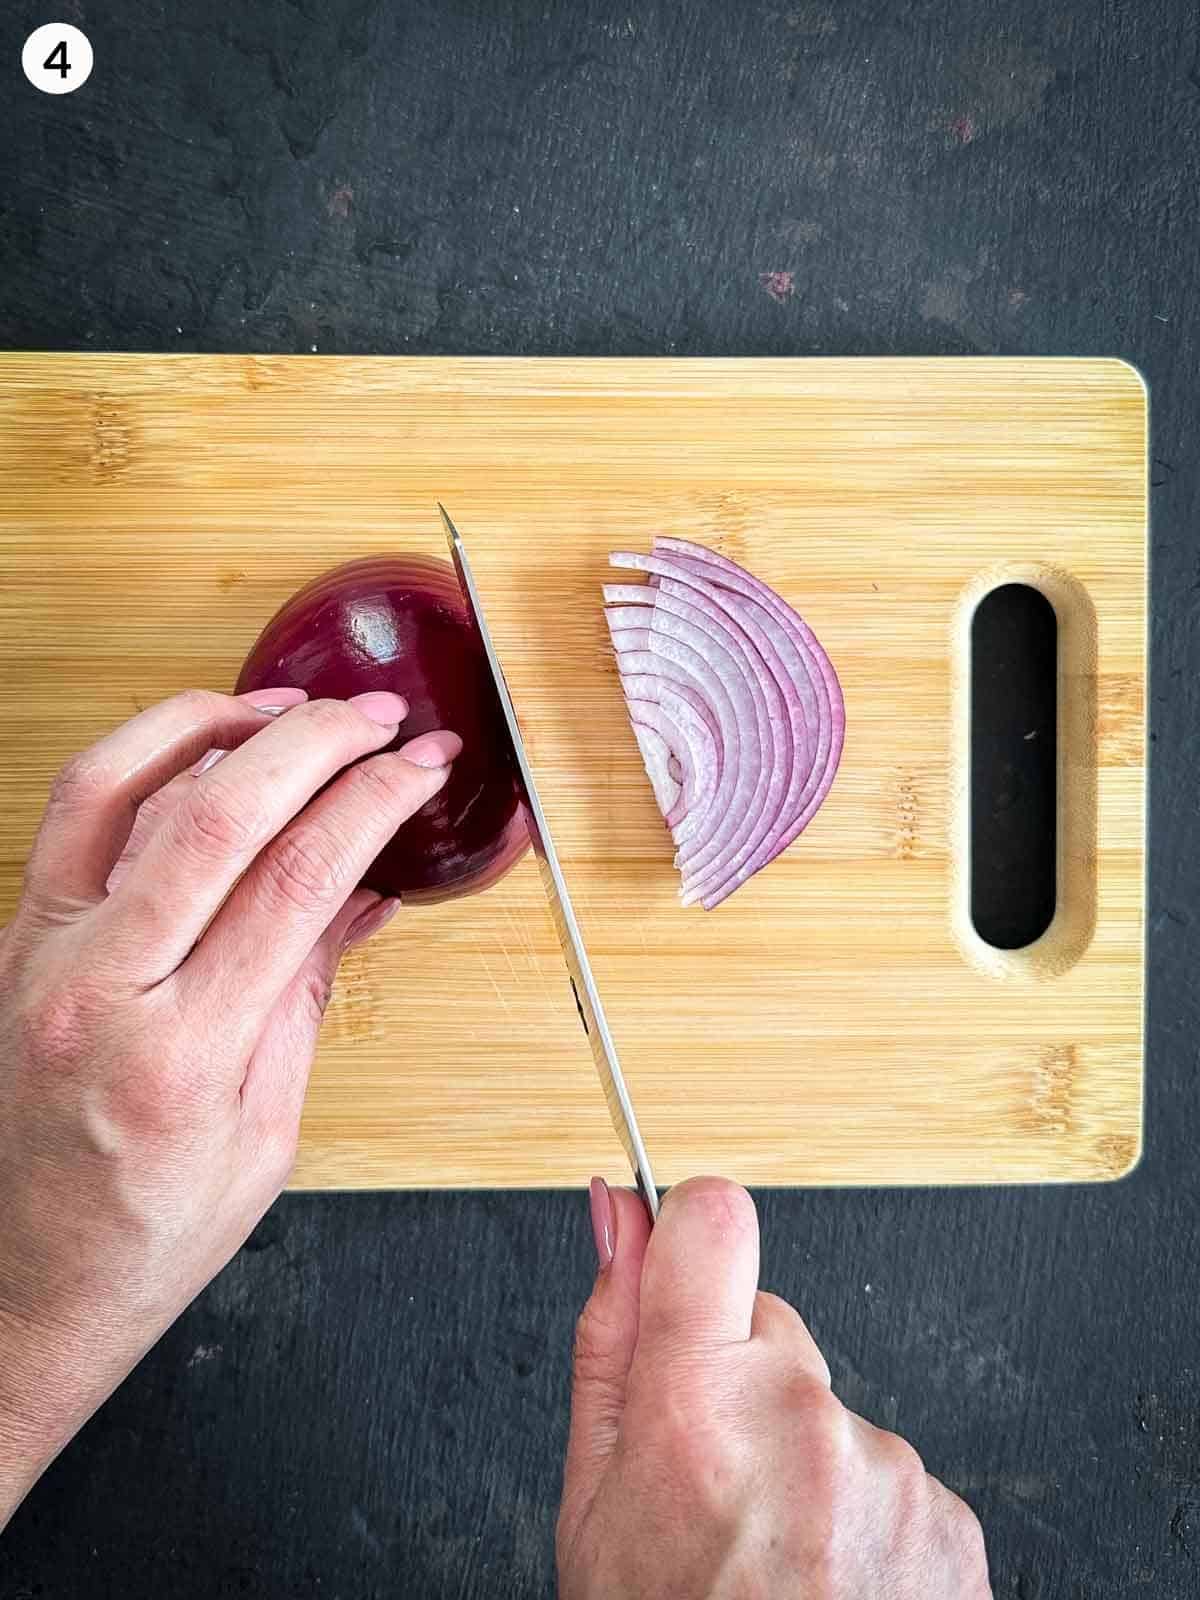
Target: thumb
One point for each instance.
(701, 1273)
(605, 1339)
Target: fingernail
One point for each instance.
(370, 921)
(604, 1221)
(381, 706)
(432, 749)
(207, 761)
(274, 702)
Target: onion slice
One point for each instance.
(735, 706)
(656, 753)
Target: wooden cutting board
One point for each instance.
(837, 1021)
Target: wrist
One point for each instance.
(44, 1400)
(21, 1465)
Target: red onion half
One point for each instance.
(400, 623)
(736, 708)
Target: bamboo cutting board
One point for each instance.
(837, 1021)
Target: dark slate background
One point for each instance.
(371, 1400)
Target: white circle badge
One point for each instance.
(57, 58)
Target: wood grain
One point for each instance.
(835, 1022)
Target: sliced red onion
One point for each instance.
(789, 731)
(666, 707)
(691, 607)
(707, 665)
(784, 739)
(656, 753)
(773, 732)
(637, 660)
(818, 675)
(696, 782)
(736, 707)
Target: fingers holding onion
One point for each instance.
(400, 623)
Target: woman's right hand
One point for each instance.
(708, 1457)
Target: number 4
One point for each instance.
(57, 61)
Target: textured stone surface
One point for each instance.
(370, 1401)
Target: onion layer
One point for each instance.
(736, 708)
(400, 622)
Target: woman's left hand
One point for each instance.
(161, 988)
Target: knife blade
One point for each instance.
(579, 968)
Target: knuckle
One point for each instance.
(595, 1335)
(148, 1100)
(218, 821)
(902, 1464)
(821, 1409)
(200, 705)
(140, 1098)
(316, 991)
(277, 1155)
(386, 782)
(83, 780)
(777, 1309)
(55, 1028)
(157, 1084)
(825, 1434)
(334, 719)
(912, 1491)
(305, 869)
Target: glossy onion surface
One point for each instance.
(400, 623)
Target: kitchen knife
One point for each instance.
(583, 984)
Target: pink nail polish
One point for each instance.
(432, 749)
(604, 1221)
(369, 922)
(207, 761)
(274, 702)
(381, 706)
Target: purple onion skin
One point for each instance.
(400, 622)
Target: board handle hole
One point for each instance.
(1013, 766)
